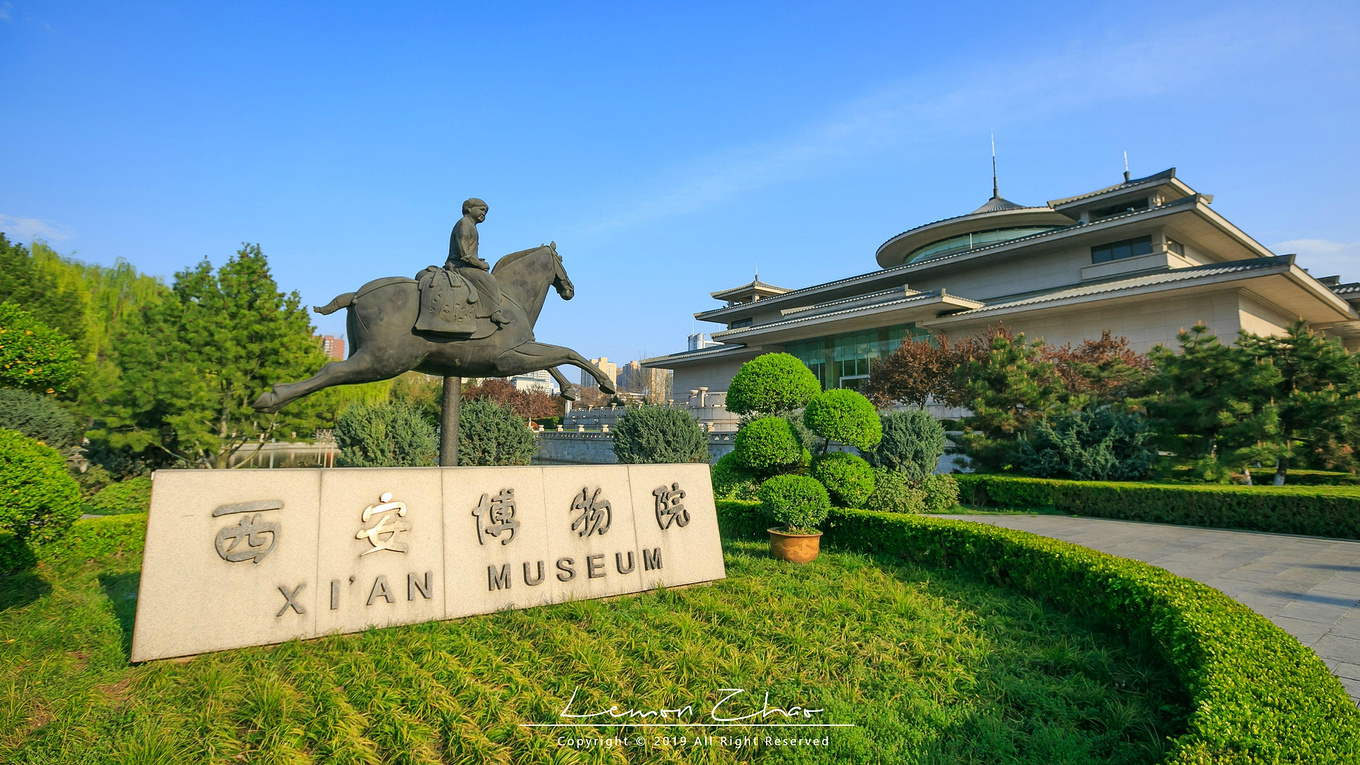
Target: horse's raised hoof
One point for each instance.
(268, 402)
(608, 387)
(569, 393)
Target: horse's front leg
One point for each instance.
(568, 390)
(534, 356)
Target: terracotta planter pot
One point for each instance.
(794, 548)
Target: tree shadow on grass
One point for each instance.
(21, 589)
(121, 590)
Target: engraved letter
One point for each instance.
(651, 559)
(594, 566)
(532, 582)
(380, 589)
(413, 584)
(498, 579)
(618, 562)
(291, 600)
(565, 572)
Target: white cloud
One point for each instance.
(1323, 257)
(25, 229)
(6, 10)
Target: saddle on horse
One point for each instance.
(456, 301)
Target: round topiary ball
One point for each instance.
(847, 476)
(773, 383)
(797, 502)
(846, 416)
(38, 500)
(733, 480)
(768, 444)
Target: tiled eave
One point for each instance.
(916, 307)
(899, 275)
(1304, 293)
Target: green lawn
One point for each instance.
(928, 666)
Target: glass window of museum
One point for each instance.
(843, 361)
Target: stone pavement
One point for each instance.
(1309, 586)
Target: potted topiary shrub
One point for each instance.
(799, 504)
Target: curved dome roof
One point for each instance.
(996, 221)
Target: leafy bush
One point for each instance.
(38, 417)
(92, 480)
(1255, 694)
(893, 493)
(913, 442)
(386, 434)
(941, 493)
(658, 434)
(847, 477)
(38, 500)
(1100, 445)
(490, 434)
(771, 384)
(34, 356)
(797, 502)
(846, 416)
(130, 496)
(732, 480)
(768, 445)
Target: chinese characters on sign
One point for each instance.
(496, 516)
(596, 513)
(383, 534)
(260, 536)
(668, 507)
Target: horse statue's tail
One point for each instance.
(340, 301)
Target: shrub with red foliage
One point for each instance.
(527, 404)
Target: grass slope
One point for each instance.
(931, 667)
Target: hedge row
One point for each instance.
(1313, 511)
(1256, 694)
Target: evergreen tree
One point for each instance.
(1212, 400)
(1008, 389)
(1316, 393)
(189, 366)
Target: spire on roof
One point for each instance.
(995, 193)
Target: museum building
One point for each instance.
(1144, 259)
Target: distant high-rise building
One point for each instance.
(332, 345)
(700, 340)
(652, 384)
(603, 364)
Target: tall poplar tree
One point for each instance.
(190, 365)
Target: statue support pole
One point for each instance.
(448, 427)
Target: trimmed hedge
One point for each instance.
(1311, 511)
(1005, 491)
(38, 499)
(1255, 693)
(657, 435)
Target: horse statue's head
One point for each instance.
(561, 282)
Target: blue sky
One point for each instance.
(667, 148)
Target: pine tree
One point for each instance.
(1008, 388)
(1315, 393)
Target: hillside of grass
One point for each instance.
(929, 667)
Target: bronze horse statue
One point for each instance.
(384, 343)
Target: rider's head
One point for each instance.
(473, 204)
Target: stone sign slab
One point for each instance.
(252, 557)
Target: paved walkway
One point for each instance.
(1310, 587)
